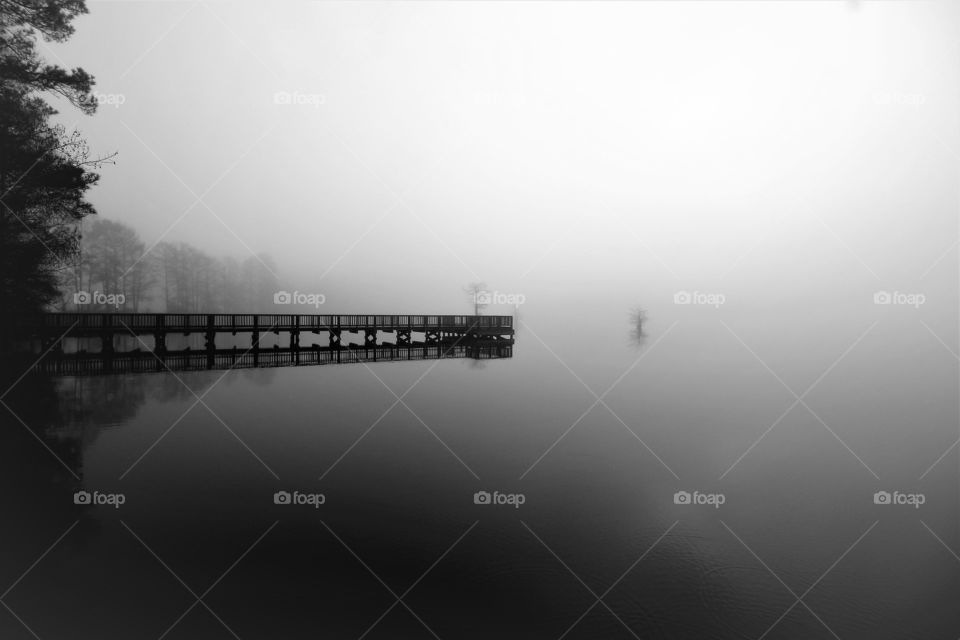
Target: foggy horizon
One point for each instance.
(612, 146)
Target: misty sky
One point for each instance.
(542, 148)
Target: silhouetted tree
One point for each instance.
(21, 65)
(45, 171)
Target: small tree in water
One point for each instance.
(478, 295)
(638, 334)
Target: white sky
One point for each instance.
(537, 146)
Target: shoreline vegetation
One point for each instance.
(50, 259)
(45, 170)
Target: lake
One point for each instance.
(733, 472)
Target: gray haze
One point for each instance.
(770, 189)
(580, 154)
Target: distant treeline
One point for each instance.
(114, 270)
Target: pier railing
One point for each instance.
(198, 322)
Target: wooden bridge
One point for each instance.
(51, 328)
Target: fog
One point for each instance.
(796, 154)
(727, 234)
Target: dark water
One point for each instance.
(399, 549)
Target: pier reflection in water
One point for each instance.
(84, 363)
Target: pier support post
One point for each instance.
(294, 339)
(160, 335)
(255, 341)
(106, 342)
(210, 339)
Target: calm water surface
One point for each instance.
(199, 549)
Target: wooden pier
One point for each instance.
(51, 328)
